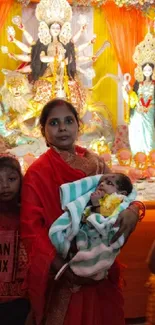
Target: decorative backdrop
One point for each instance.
(124, 28)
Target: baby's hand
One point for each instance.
(95, 197)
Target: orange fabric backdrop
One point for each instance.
(127, 28)
(70, 1)
(5, 7)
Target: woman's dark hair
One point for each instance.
(59, 104)
(38, 68)
(124, 183)
(9, 161)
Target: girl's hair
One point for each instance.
(10, 161)
(59, 104)
(124, 183)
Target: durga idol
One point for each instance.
(54, 60)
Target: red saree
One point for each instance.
(101, 304)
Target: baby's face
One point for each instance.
(108, 184)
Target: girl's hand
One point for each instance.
(127, 221)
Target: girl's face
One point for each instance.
(147, 71)
(9, 184)
(55, 29)
(61, 128)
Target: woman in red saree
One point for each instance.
(54, 302)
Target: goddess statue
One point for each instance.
(52, 65)
(54, 60)
(141, 98)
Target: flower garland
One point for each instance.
(24, 2)
(143, 5)
(136, 3)
(145, 104)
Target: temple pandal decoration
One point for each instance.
(59, 65)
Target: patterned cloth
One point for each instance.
(95, 254)
(121, 138)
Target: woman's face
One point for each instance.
(147, 71)
(61, 128)
(55, 29)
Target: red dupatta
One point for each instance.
(40, 207)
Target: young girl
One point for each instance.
(14, 306)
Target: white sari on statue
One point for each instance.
(141, 127)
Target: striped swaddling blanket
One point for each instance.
(95, 254)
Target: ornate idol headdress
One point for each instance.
(53, 11)
(144, 53)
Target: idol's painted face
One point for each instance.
(61, 128)
(147, 71)
(9, 184)
(55, 29)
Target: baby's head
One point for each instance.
(10, 178)
(115, 183)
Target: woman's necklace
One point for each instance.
(67, 156)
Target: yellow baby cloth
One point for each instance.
(109, 203)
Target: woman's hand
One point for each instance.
(127, 221)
